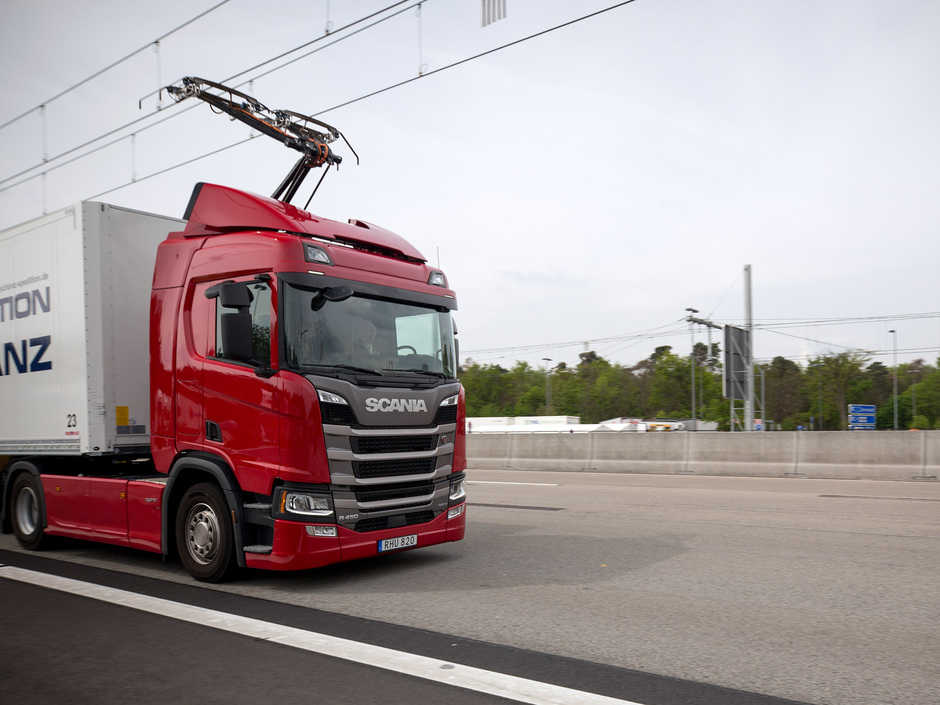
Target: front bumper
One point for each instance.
(295, 548)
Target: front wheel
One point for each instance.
(204, 534)
(26, 511)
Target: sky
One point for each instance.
(581, 189)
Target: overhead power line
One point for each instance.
(360, 98)
(474, 57)
(112, 65)
(44, 165)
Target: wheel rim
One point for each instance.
(27, 510)
(202, 533)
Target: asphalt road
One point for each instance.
(816, 591)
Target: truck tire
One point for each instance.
(26, 511)
(204, 534)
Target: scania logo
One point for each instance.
(373, 405)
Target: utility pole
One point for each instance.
(749, 326)
(548, 386)
(895, 333)
(702, 322)
(692, 311)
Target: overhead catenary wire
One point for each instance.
(112, 65)
(355, 100)
(45, 164)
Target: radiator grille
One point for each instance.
(380, 523)
(446, 414)
(386, 492)
(337, 414)
(364, 469)
(392, 444)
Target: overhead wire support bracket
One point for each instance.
(303, 133)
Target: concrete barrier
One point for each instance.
(871, 455)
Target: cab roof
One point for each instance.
(215, 209)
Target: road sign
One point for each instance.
(857, 419)
(861, 408)
(737, 353)
(861, 417)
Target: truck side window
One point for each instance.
(260, 311)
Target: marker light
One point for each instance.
(315, 253)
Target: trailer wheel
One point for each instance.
(26, 511)
(204, 534)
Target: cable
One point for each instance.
(164, 171)
(178, 113)
(363, 97)
(474, 57)
(111, 66)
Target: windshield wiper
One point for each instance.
(350, 368)
(439, 375)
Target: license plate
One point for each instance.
(398, 543)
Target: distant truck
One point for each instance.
(251, 386)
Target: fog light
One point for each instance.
(329, 531)
(455, 512)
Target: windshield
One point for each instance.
(368, 333)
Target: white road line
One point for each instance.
(530, 484)
(519, 689)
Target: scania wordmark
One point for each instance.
(297, 404)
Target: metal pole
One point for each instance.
(548, 387)
(895, 334)
(763, 410)
(692, 312)
(749, 326)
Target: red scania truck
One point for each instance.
(253, 386)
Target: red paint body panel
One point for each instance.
(144, 513)
(92, 508)
(303, 450)
(107, 510)
(294, 549)
(245, 408)
(219, 208)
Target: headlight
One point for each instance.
(457, 491)
(330, 398)
(310, 505)
(451, 401)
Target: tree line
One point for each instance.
(814, 395)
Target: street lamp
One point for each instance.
(895, 334)
(692, 312)
(913, 395)
(548, 387)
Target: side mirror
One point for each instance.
(236, 336)
(235, 295)
(335, 293)
(234, 328)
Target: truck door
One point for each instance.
(241, 422)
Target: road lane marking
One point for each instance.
(501, 685)
(529, 484)
(516, 506)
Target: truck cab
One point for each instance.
(309, 368)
